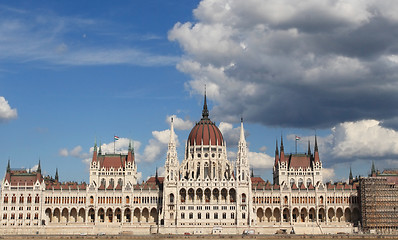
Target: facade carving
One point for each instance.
(204, 193)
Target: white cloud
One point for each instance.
(343, 52)
(366, 138)
(75, 152)
(32, 169)
(231, 135)
(260, 160)
(327, 174)
(157, 146)
(6, 112)
(179, 123)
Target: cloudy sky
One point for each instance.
(75, 73)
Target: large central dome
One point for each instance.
(205, 132)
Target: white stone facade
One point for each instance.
(205, 193)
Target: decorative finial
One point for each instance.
(8, 165)
(39, 167)
(205, 111)
(56, 175)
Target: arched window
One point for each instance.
(120, 182)
(309, 182)
(112, 182)
(103, 182)
(171, 198)
(127, 200)
(6, 199)
(291, 182)
(243, 198)
(300, 181)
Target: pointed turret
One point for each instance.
(309, 148)
(282, 157)
(39, 167)
(95, 154)
(350, 178)
(242, 164)
(205, 111)
(171, 164)
(276, 153)
(252, 174)
(100, 150)
(130, 154)
(373, 170)
(316, 153)
(56, 175)
(8, 166)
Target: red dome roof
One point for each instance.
(205, 130)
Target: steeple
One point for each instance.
(309, 148)
(242, 165)
(373, 171)
(242, 132)
(8, 166)
(171, 164)
(100, 151)
(350, 176)
(205, 111)
(276, 153)
(282, 157)
(39, 167)
(56, 175)
(95, 152)
(316, 153)
(172, 137)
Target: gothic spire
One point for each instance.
(8, 166)
(316, 145)
(282, 148)
(309, 148)
(373, 168)
(56, 175)
(205, 111)
(350, 176)
(172, 138)
(276, 148)
(242, 131)
(39, 167)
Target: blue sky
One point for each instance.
(73, 72)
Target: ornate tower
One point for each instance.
(243, 180)
(170, 181)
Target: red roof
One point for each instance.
(206, 131)
(115, 161)
(22, 177)
(297, 161)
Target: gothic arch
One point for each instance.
(145, 214)
(73, 215)
(127, 215)
(260, 215)
(331, 214)
(137, 215)
(339, 214)
(268, 214)
(347, 215)
(64, 215)
(153, 215)
(81, 215)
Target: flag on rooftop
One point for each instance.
(298, 138)
(116, 138)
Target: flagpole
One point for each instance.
(295, 141)
(114, 148)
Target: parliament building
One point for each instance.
(205, 193)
